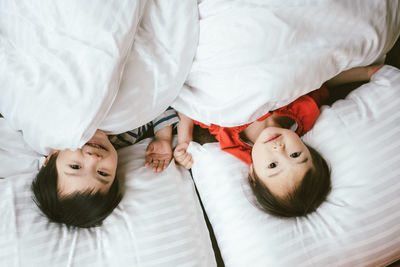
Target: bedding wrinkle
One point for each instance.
(9, 222)
(297, 37)
(356, 226)
(132, 236)
(72, 249)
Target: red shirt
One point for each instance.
(304, 110)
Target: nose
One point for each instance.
(278, 146)
(93, 154)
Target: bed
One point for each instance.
(223, 62)
(62, 60)
(358, 225)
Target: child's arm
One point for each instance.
(159, 151)
(185, 135)
(359, 74)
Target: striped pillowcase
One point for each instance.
(359, 223)
(159, 222)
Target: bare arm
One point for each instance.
(358, 74)
(185, 129)
(164, 134)
(185, 135)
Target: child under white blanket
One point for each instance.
(80, 188)
(288, 177)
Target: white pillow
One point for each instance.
(61, 63)
(159, 62)
(255, 56)
(159, 222)
(359, 223)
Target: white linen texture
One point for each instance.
(69, 68)
(159, 221)
(359, 223)
(256, 56)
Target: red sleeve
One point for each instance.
(229, 140)
(304, 110)
(320, 96)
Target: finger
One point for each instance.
(155, 165)
(180, 158)
(186, 160)
(178, 152)
(160, 166)
(148, 161)
(189, 165)
(166, 163)
(177, 155)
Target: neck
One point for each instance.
(252, 132)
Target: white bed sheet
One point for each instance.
(359, 223)
(159, 221)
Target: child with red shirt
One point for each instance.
(288, 177)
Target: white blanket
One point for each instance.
(359, 223)
(62, 63)
(255, 55)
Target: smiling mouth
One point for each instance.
(98, 146)
(275, 136)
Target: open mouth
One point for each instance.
(275, 136)
(95, 145)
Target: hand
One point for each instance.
(182, 157)
(372, 69)
(159, 152)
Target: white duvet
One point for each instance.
(255, 56)
(358, 225)
(68, 68)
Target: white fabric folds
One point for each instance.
(159, 221)
(70, 68)
(359, 223)
(255, 56)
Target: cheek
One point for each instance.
(254, 153)
(113, 160)
(259, 157)
(295, 140)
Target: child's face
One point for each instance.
(280, 159)
(91, 167)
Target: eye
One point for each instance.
(272, 165)
(102, 173)
(75, 166)
(295, 155)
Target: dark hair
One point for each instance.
(304, 199)
(84, 210)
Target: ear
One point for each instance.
(251, 175)
(49, 156)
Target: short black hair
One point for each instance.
(302, 200)
(80, 209)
